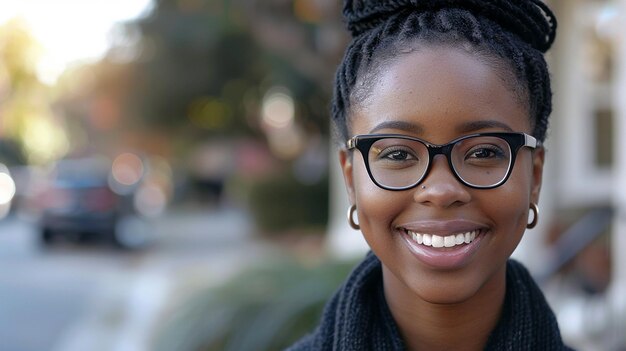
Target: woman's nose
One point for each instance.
(440, 187)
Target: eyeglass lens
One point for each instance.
(481, 161)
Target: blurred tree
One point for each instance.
(26, 119)
(201, 67)
(196, 68)
(192, 71)
(195, 72)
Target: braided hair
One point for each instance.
(509, 35)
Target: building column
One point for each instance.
(618, 282)
(343, 242)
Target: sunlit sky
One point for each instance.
(70, 31)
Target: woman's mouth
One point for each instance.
(439, 241)
(444, 250)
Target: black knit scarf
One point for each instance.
(358, 318)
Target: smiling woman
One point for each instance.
(441, 108)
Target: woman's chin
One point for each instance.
(456, 288)
(445, 296)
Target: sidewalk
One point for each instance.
(195, 249)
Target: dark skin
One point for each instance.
(438, 94)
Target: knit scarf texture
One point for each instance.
(358, 317)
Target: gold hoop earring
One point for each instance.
(354, 225)
(535, 209)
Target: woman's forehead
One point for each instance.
(440, 87)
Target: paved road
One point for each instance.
(76, 298)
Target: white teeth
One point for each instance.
(438, 241)
(449, 241)
(459, 239)
(417, 237)
(427, 239)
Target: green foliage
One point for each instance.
(205, 50)
(264, 308)
(282, 203)
(25, 111)
(193, 55)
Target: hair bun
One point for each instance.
(531, 20)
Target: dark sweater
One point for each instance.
(358, 318)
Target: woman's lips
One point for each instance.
(444, 249)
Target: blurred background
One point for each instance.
(168, 179)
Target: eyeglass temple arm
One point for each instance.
(351, 143)
(531, 141)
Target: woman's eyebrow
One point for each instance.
(413, 128)
(474, 126)
(416, 128)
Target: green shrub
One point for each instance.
(282, 204)
(266, 308)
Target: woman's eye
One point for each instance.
(397, 155)
(482, 153)
(485, 152)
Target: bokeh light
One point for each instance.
(150, 200)
(7, 188)
(44, 140)
(278, 108)
(285, 137)
(127, 169)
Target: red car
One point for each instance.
(82, 201)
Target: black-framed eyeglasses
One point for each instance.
(400, 162)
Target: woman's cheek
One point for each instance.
(510, 206)
(376, 207)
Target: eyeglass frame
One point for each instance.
(515, 140)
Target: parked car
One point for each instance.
(81, 200)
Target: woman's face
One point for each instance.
(439, 94)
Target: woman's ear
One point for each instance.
(345, 161)
(539, 155)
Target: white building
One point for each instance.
(588, 166)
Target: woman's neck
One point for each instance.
(428, 326)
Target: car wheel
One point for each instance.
(46, 236)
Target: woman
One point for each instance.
(442, 106)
